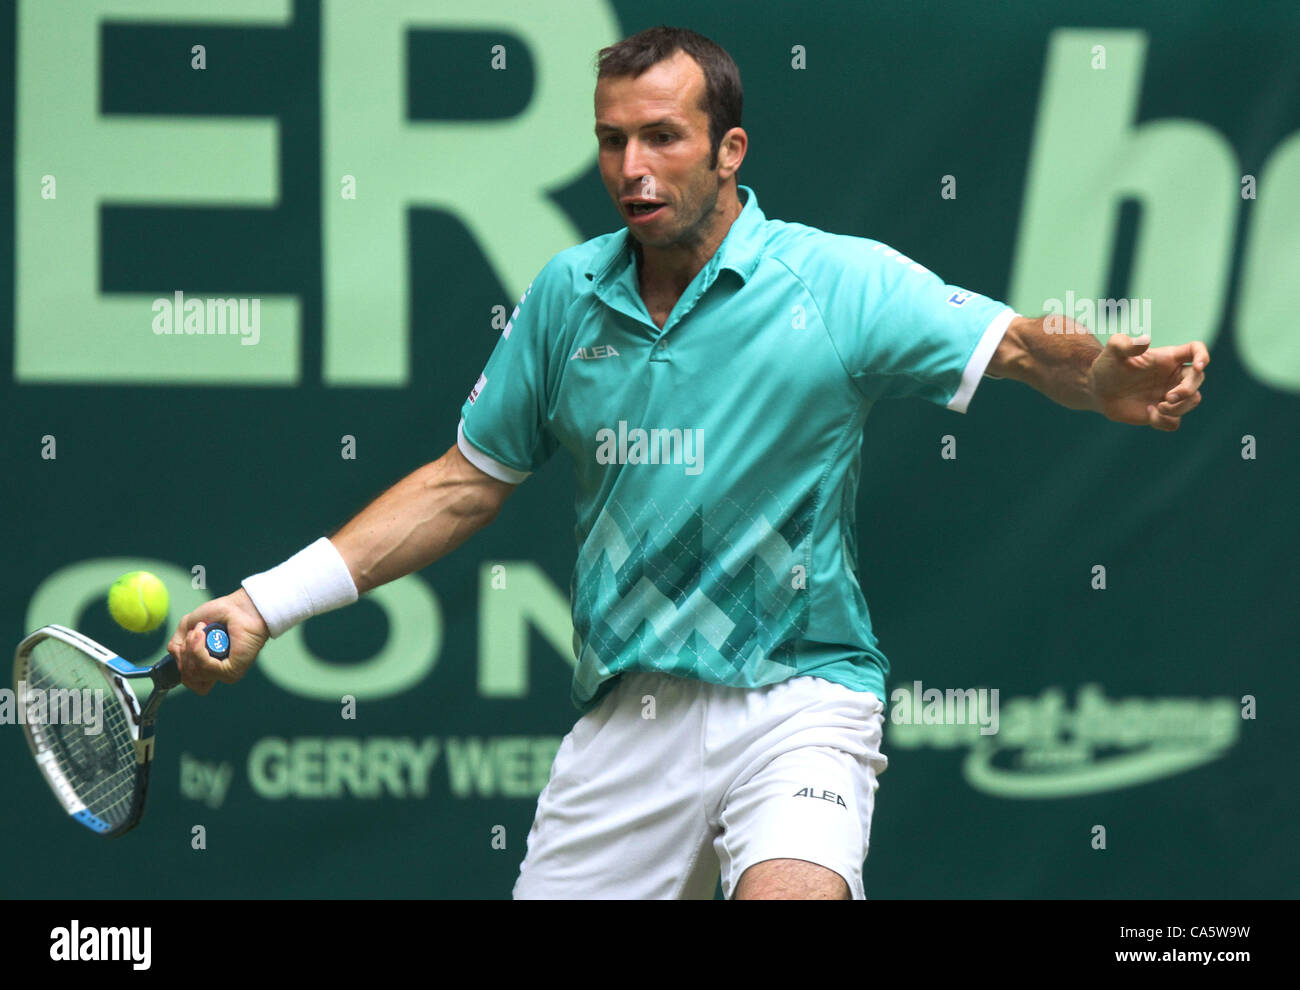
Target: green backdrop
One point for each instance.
(385, 178)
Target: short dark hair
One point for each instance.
(723, 97)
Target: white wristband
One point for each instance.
(314, 580)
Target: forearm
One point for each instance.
(1056, 364)
(423, 517)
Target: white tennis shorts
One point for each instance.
(671, 781)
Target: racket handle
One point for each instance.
(166, 673)
(217, 639)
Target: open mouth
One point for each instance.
(643, 209)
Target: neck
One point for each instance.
(671, 268)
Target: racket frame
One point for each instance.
(118, 674)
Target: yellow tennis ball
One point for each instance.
(138, 601)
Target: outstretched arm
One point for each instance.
(423, 517)
(1126, 381)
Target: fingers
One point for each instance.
(1194, 353)
(179, 648)
(1189, 381)
(1129, 346)
(248, 633)
(1185, 396)
(1162, 421)
(177, 642)
(1166, 380)
(199, 671)
(1180, 406)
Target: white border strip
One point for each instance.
(488, 465)
(980, 358)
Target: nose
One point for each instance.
(633, 162)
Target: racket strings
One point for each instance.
(99, 768)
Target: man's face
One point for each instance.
(654, 145)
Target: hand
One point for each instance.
(1131, 384)
(248, 634)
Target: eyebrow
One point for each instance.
(662, 122)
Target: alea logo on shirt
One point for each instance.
(594, 353)
(654, 446)
(1044, 749)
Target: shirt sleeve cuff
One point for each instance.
(488, 465)
(980, 358)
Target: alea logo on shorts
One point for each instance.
(654, 446)
(1043, 749)
(823, 795)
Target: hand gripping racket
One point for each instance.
(100, 777)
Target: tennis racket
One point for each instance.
(100, 777)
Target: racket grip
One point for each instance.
(217, 639)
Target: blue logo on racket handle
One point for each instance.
(217, 640)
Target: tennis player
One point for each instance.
(710, 370)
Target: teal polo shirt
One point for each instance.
(718, 459)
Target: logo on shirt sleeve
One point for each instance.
(478, 387)
(958, 298)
